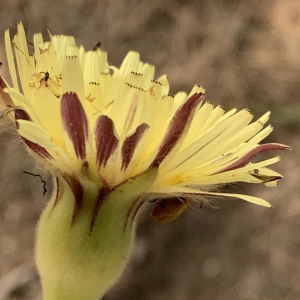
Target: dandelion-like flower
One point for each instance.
(115, 138)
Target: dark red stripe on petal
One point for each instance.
(21, 114)
(180, 122)
(75, 123)
(39, 150)
(106, 141)
(243, 161)
(131, 143)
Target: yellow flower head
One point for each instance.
(81, 115)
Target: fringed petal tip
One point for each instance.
(246, 159)
(277, 146)
(286, 147)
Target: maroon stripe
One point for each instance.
(102, 196)
(75, 122)
(180, 122)
(39, 150)
(106, 141)
(21, 114)
(243, 161)
(131, 143)
(78, 194)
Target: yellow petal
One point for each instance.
(73, 78)
(38, 135)
(184, 190)
(10, 60)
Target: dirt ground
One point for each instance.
(247, 54)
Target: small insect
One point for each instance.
(169, 209)
(97, 46)
(46, 77)
(40, 77)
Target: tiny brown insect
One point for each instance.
(169, 209)
(97, 46)
(46, 76)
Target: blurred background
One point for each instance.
(247, 54)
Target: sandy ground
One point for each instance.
(246, 54)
